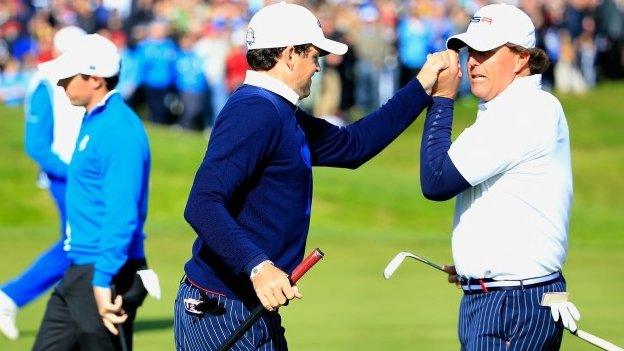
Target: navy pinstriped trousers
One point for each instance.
(208, 331)
(509, 320)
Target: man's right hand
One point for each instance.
(452, 275)
(110, 312)
(273, 287)
(435, 63)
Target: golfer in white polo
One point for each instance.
(511, 175)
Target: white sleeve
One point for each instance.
(495, 145)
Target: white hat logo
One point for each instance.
(250, 37)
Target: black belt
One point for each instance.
(472, 286)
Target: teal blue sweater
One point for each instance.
(107, 188)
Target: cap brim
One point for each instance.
(474, 41)
(59, 68)
(331, 46)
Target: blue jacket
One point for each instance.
(39, 131)
(107, 188)
(252, 195)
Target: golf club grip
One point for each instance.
(120, 329)
(296, 274)
(305, 265)
(596, 341)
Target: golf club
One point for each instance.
(596, 341)
(259, 311)
(400, 257)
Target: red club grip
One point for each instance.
(305, 265)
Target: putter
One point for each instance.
(400, 257)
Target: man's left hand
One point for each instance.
(568, 313)
(110, 312)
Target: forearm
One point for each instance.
(207, 213)
(355, 144)
(440, 180)
(38, 144)
(48, 161)
(118, 228)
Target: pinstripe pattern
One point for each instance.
(209, 331)
(510, 320)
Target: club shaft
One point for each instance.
(259, 311)
(596, 341)
(429, 263)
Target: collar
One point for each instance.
(517, 87)
(265, 81)
(102, 103)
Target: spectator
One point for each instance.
(413, 39)
(156, 56)
(13, 83)
(192, 86)
(235, 62)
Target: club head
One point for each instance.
(400, 257)
(394, 264)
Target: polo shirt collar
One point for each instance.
(102, 103)
(265, 81)
(519, 86)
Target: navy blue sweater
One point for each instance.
(252, 194)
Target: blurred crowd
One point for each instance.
(182, 58)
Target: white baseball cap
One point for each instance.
(280, 25)
(67, 37)
(92, 55)
(493, 26)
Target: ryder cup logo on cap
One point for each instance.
(280, 25)
(92, 55)
(493, 26)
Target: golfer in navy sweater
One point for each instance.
(252, 195)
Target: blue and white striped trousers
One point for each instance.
(209, 331)
(509, 320)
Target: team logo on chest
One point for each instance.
(305, 154)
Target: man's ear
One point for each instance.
(289, 56)
(522, 62)
(96, 82)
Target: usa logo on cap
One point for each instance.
(477, 19)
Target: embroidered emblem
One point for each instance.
(83, 143)
(250, 37)
(190, 305)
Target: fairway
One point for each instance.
(360, 219)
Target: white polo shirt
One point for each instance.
(513, 222)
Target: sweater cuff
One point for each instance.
(442, 101)
(421, 94)
(254, 262)
(101, 279)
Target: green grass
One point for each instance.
(360, 219)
